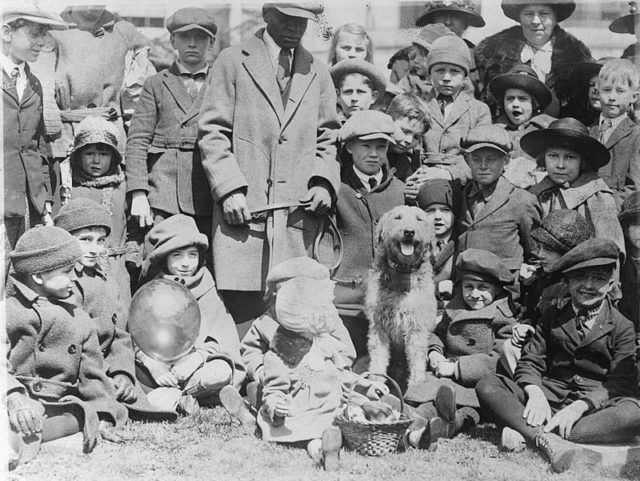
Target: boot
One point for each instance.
(331, 444)
(232, 401)
(445, 403)
(564, 455)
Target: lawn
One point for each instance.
(211, 446)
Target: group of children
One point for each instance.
(537, 244)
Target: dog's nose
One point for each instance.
(409, 233)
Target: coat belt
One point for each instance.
(46, 388)
(184, 143)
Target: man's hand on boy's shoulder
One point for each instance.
(26, 415)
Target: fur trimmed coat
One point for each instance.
(498, 53)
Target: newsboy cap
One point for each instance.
(486, 136)
(483, 265)
(439, 191)
(368, 125)
(308, 10)
(11, 13)
(594, 252)
(630, 209)
(562, 230)
(297, 267)
(358, 65)
(191, 18)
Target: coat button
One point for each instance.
(72, 349)
(269, 182)
(37, 387)
(41, 347)
(282, 139)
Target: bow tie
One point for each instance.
(194, 76)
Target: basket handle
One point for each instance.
(366, 375)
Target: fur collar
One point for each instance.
(290, 346)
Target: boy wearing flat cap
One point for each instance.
(577, 380)
(496, 215)
(164, 173)
(28, 193)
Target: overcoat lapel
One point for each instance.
(194, 109)
(499, 197)
(176, 87)
(9, 88)
(28, 96)
(458, 108)
(302, 75)
(601, 327)
(624, 129)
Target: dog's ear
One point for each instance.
(380, 228)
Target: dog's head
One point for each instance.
(404, 237)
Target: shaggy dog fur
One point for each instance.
(400, 299)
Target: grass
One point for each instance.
(211, 446)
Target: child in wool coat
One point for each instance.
(174, 250)
(467, 341)
(629, 218)
(56, 382)
(97, 175)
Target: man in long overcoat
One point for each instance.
(268, 129)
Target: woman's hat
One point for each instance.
(511, 8)
(465, 8)
(626, 23)
(562, 230)
(630, 209)
(590, 68)
(357, 65)
(96, 130)
(429, 34)
(570, 133)
(525, 78)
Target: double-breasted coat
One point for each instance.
(162, 155)
(250, 142)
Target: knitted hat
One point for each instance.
(439, 191)
(33, 14)
(297, 267)
(192, 18)
(562, 9)
(630, 209)
(44, 249)
(521, 77)
(491, 136)
(449, 49)
(368, 125)
(562, 230)
(591, 253)
(175, 232)
(357, 65)
(483, 265)
(308, 10)
(95, 130)
(429, 34)
(79, 213)
(465, 8)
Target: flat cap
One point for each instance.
(368, 125)
(491, 136)
(439, 191)
(297, 267)
(562, 230)
(11, 13)
(308, 10)
(630, 209)
(590, 253)
(192, 18)
(483, 265)
(358, 65)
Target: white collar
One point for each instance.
(364, 178)
(273, 48)
(183, 69)
(614, 122)
(8, 65)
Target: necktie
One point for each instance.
(193, 82)
(443, 101)
(372, 183)
(13, 78)
(581, 323)
(283, 72)
(605, 125)
(439, 246)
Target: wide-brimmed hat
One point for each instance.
(11, 13)
(626, 23)
(521, 77)
(567, 132)
(308, 10)
(463, 7)
(630, 209)
(358, 65)
(563, 9)
(589, 68)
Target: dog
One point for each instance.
(400, 299)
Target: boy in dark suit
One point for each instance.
(164, 172)
(577, 376)
(27, 180)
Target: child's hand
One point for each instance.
(446, 369)
(186, 366)
(435, 358)
(520, 333)
(125, 391)
(411, 189)
(282, 408)
(527, 270)
(160, 373)
(25, 414)
(140, 208)
(537, 410)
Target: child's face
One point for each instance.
(477, 294)
(562, 164)
(455, 22)
(412, 130)
(418, 61)
(183, 262)
(368, 155)
(615, 98)
(518, 105)
(442, 217)
(593, 95)
(547, 256)
(486, 165)
(589, 286)
(632, 233)
(447, 78)
(26, 42)
(350, 46)
(354, 94)
(57, 283)
(192, 47)
(93, 241)
(95, 159)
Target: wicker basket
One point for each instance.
(374, 439)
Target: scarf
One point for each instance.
(106, 184)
